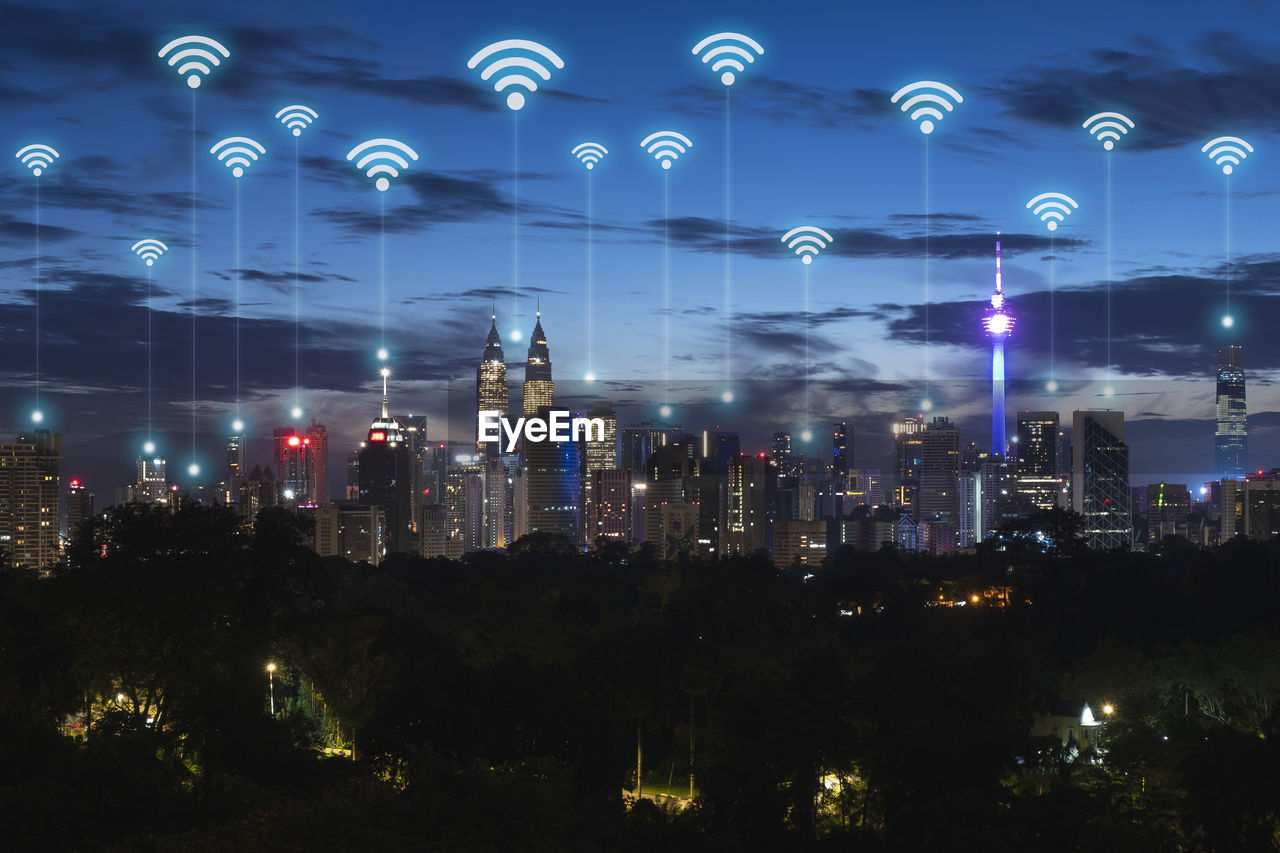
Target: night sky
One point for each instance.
(813, 140)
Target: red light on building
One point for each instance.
(75, 484)
(294, 441)
(426, 491)
(377, 436)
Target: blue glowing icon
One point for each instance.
(516, 53)
(931, 95)
(1227, 151)
(808, 241)
(37, 157)
(149, 250)
(197, 59)
(1052, 208)
(1108, 128)
(589, 153)
(730, 50)
(666, 146)
(297, 118)
(383, 156)
(238, 153)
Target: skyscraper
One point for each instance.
(598, 456)
(79, 505)
(1231, 440)
(491, 384)
(294, 464)
(319, 437)
(29, 500)
(151, 485)
(538, 387)
(939, 470)
(236, 469)
(384, 474)
(1037, 461)
(998, 323)
(1100, 478)
(907, 447)
(840, 455)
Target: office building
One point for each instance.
(1167, 507)
(841, 449)
(1231, 439)
(799, 542)
(151, 485)
(908, 446)
(385, 475)
(29, 520)
(79, 505)
(294, 464)
(597, 456)
(492, 394)
(539, 389)
(1100, 478)
(1260, 507)
(349, 530)
(610, 516)
(1036, 461)
(319, 438)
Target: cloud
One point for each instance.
(784, 102)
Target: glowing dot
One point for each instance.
(383, 355)
(808, 259)
(1053, 226)
(1228, 321)
(150, 262)
(37, 171)
(590, 166)
(1108, 145)
(297, 131)
(590, 377)
(515, 334)
(727, 78)
(149, 447)
(238, 172)
(37, 416)
(515, 100)
(926, 405)
(296, 412)
(383, 184)
(1226, 170)
(806, 435)
(194, 81)
(665, 411)
(193, 469)
(237, 425)
(1108, 391)
(727, 396)
(1051, 385)
(666, 164)
(926, 126)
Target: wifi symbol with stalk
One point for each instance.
(516, 54)
(1227, 152)
(37, 157)
(666, 146)
(198, 59)
(589, 153)
(383, 156)
(924, 105)
(297, 118)
(1052, 208)
(1108, 128)
(238, 153)
(149, 250)
(808, 241)
(729, 52)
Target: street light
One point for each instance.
(271, 683)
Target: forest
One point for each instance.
(541, 698)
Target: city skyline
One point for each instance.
(1017, 133)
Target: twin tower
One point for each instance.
(491, 375)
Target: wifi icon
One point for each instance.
(1108, 127)
(666, 146)
(149, 250)
(589, 153)
(198, 60)
(383, 158)
(932, 95)
(297, 118)
(37, 157)
(730, 50)
(1226, 151)
(238, 153)
(1052, 208)
(808, 241)
(516, 53)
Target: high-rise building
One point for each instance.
(803, 542)
(610, 505)
(319, 437)
(1168, 505)
(492, 394)
(538, 387)
(780, 452)
(349, 530)
(939, 470)
(236, 469)
(553, 485)
(841, 457)
(598, 456)
(294, 462)
(497, 499)
(151, 485)
(908, 447)
(385, 475)
(1231, 440)
(1260, 507)
(79, 505)
(752, 480)
(1100, 478)
(969, 503)
(638, 442)
(1036, 462)
(413, 430)
(998, 324)
(29, 523)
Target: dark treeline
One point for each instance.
(504, 702)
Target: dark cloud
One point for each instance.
(784, 102)
(21, 232)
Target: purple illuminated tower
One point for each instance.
(998, 323)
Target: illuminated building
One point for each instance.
(538, 387)
(598, 456)
(938, 472)
(236, 469)
(552, 489)
(79, 505)
(780, 451)
(294, 463)
(492, 394)
(908, 445)
(151, 485)
(1100, 478)
(969, 502)
(1037, 465)
(351, 531)
(319, 437)
(497, 495)
(841, 458)
(799, 541)
(637, 443)
(385, 477)
(707, 493)
(752, 479)
(610, 505)
(1231, 440)
(998, 324)
(1260, 507)
(1168, 505)
(29, 521)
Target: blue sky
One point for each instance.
(813, 140)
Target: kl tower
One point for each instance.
(998, 323)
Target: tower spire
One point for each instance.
(998, 288)
(385, 372)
